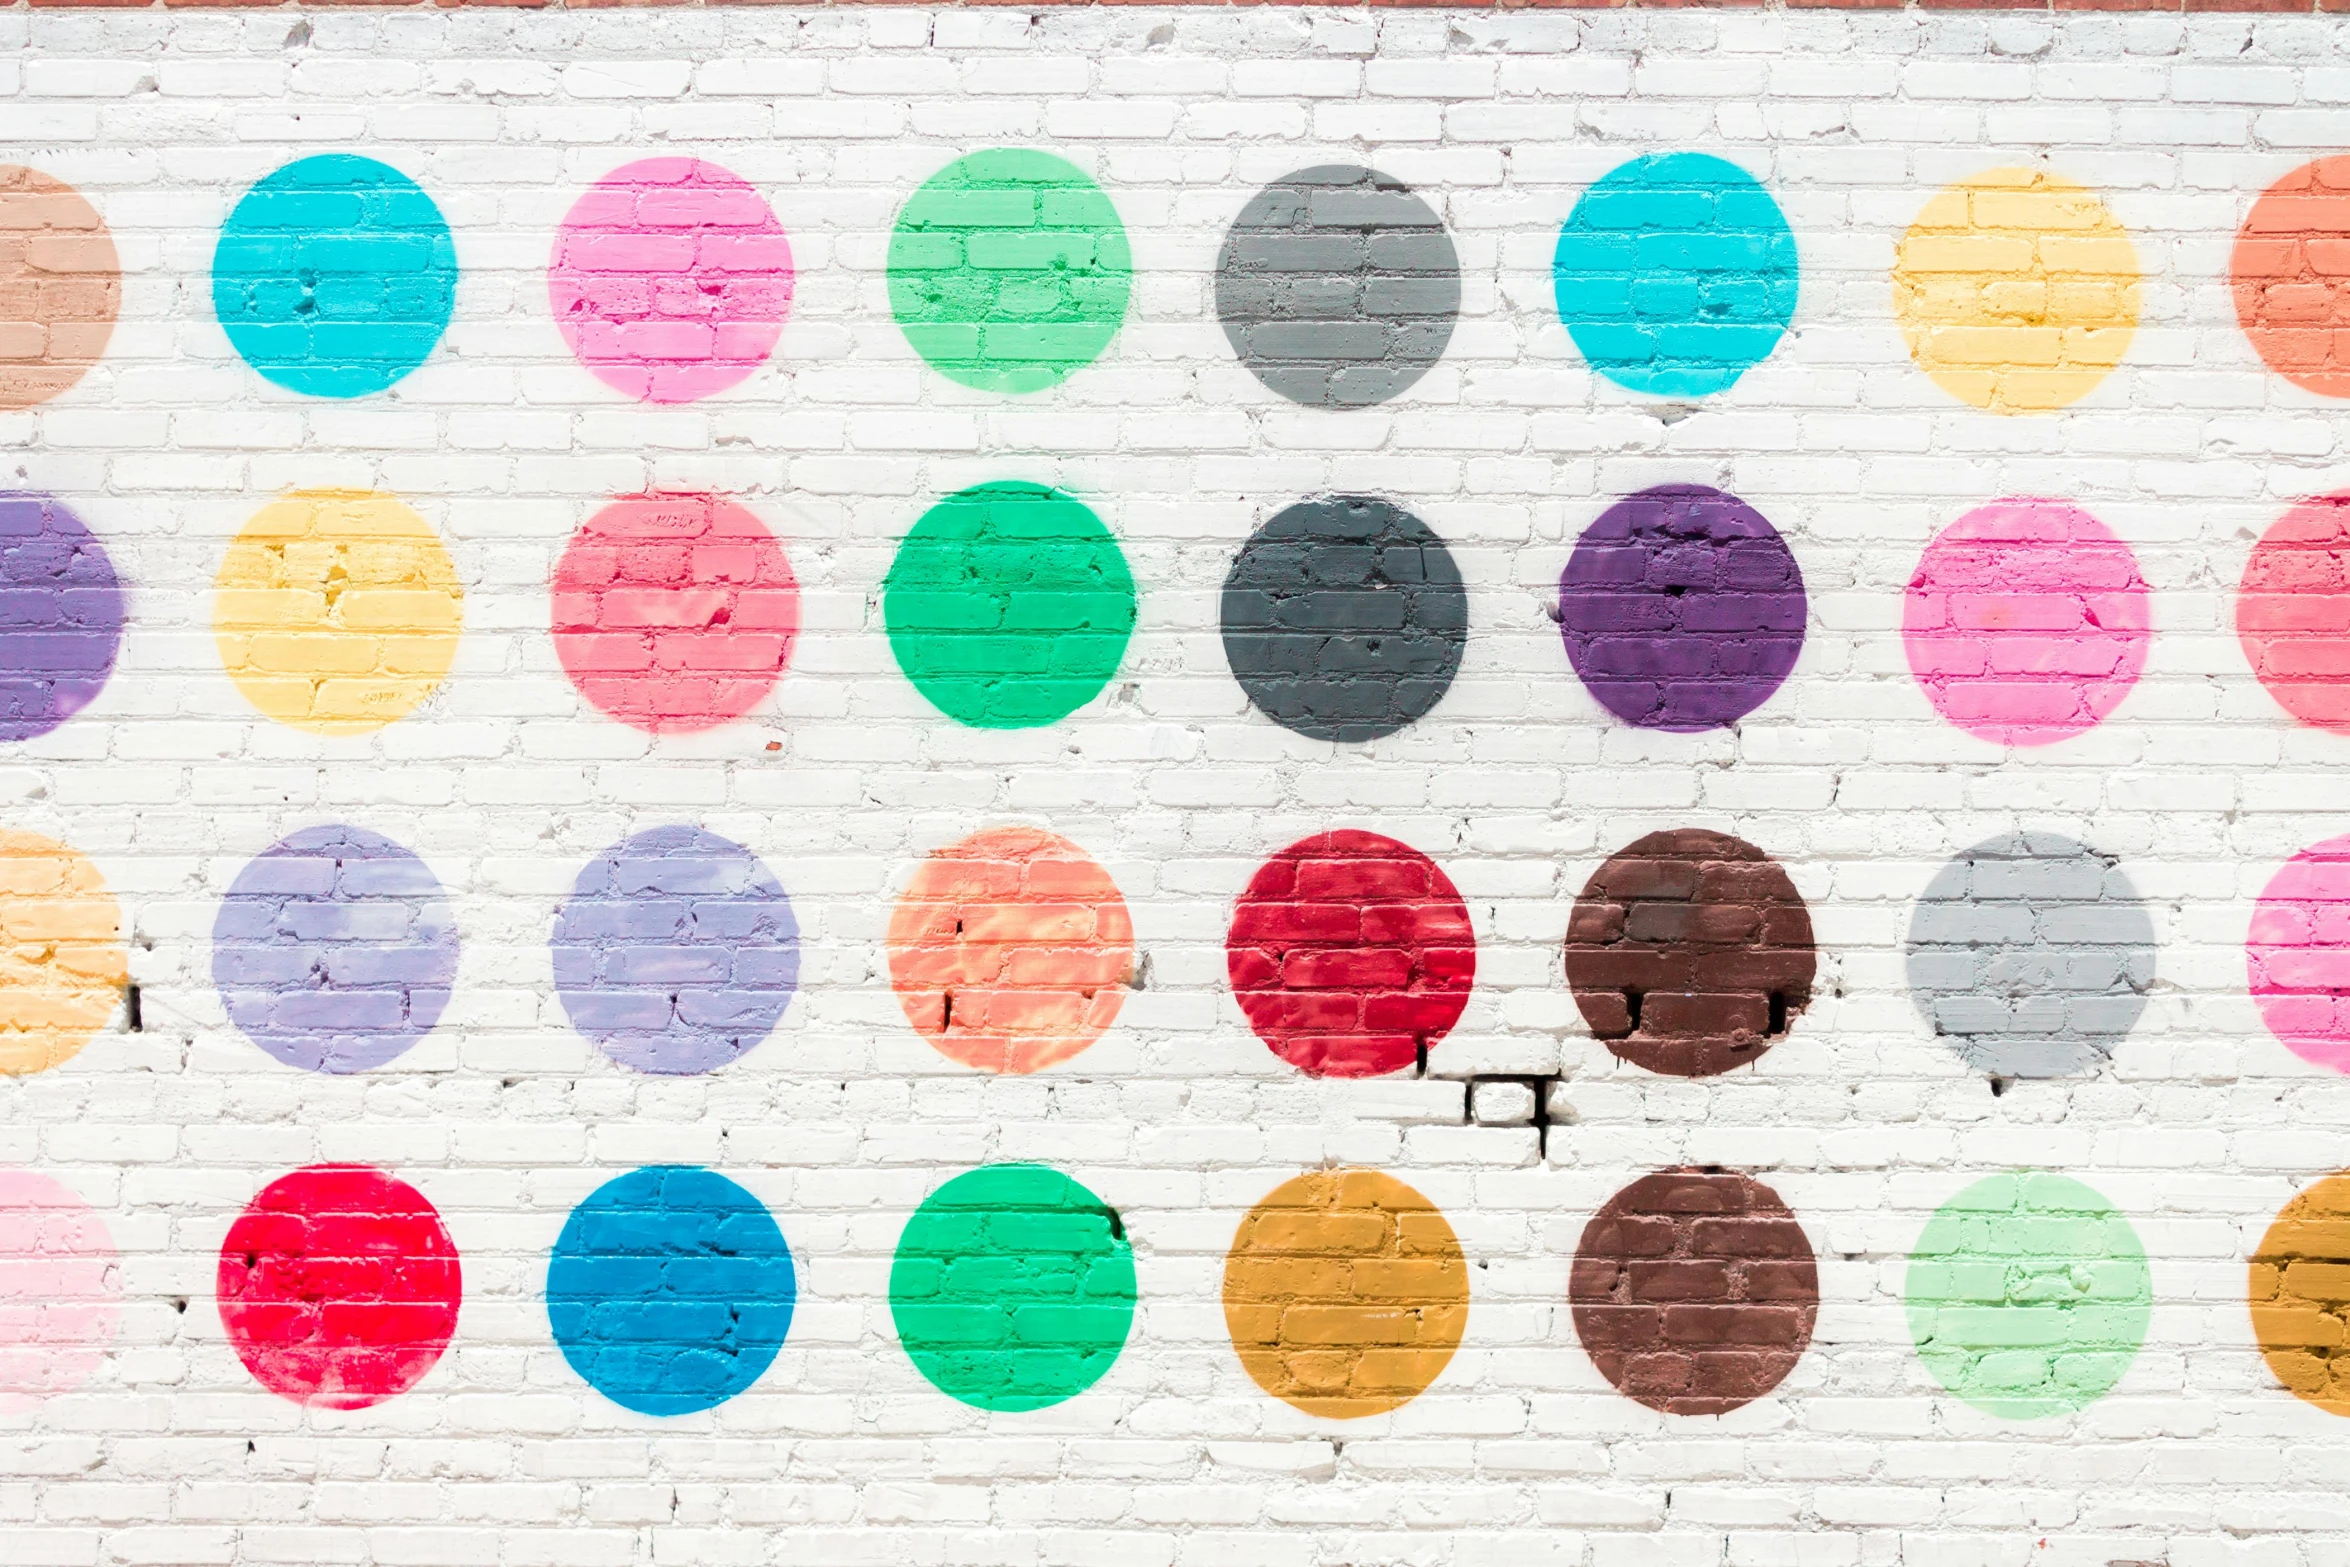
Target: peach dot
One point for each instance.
(2293, 612)
(60, 286)
(2027, 621)
(1011, 951)
(2297, 956)
(60, 1290)
(2291, 271)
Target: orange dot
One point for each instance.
(1346, 1293)
(1011, 951)
(2292, 276)
(60, 286)
(2300, 1295)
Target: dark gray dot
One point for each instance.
(1338, 286)
(1345, 618)
(2031, 955)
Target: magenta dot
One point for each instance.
(671, 279)
(2027, 621)
(60, 1289)
(2297, 957)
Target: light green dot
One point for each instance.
(1009, 606)
(1009, 271)
(2028, 1295)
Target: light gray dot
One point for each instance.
(2031, 955)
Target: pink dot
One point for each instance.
(671, 279)
(2027, 621)
(674, 612)
(2297, 957)
(60, 1289)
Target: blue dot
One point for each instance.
(671, 1289)
(335, 276)
(1676, 274)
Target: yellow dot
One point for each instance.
(337, 611)
(62, 962)
(2017, 291)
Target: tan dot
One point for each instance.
(62, 962)
(60, 286)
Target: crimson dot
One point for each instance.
(339, 1286)
(1351, 954)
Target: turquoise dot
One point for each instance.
(1676, 274)
(335, 276)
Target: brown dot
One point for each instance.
(60, 286)
(1690, 952)
(1694, 1292)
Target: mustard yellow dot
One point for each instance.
(62, 961)
(2017, 291)
(337, 611)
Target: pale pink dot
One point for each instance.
(671, 279)
(2027, 621)
(60, 1289)
(2297, 955)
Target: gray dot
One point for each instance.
(1344, 618)
(1338, 286)
(2031, 955)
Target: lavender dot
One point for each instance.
(676, 952)
(60, 615)
(1682, 609)
(335, 949)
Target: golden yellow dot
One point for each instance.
(62, 962)
(337, 611)
(2017, 291)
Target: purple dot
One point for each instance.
(1682, 609)
(335, 949)
(676, 952)
(60, 615)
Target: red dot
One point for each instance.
(1351, 954)
(2293, 612)
(339, 1286)
(674, 612)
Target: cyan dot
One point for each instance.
(1676, 274)
(335, 276)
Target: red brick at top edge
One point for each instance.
(2302, 7)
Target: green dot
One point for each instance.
(2028, 1295)
(1009, 605)
(1009, 270)
(1013, 1287)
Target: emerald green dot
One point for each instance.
(2028, 1295)
(1009, 605)
(1009, 270)
(1013, 1287)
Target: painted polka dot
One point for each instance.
(1346, 1293)
(1013, 1288)
(1690, 953)
(335, 276)
(63, 965)
(2016, 290)
(339, 1286)
(1011, 950)
(1009, 606)
(61, 612)
(1682, 609)
(337, 611)
(2291, 276)
(2297, 954)
(675, 613)
(1009, 270)
(60, 1290)
(1351, 954)
(671, 280)
(1338, 286)
(1694, 1291)
(2028, 1295)
(335, 949)
(1676, 274)
(671, 1289)
(2293, 612)
(2031, 955)
(2027, 622)
(676, 952)
(2299, 1292)
(60, 286)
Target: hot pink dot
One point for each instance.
(671, 279)
(2027, 621)
(2297, 957)
(60, 1289)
